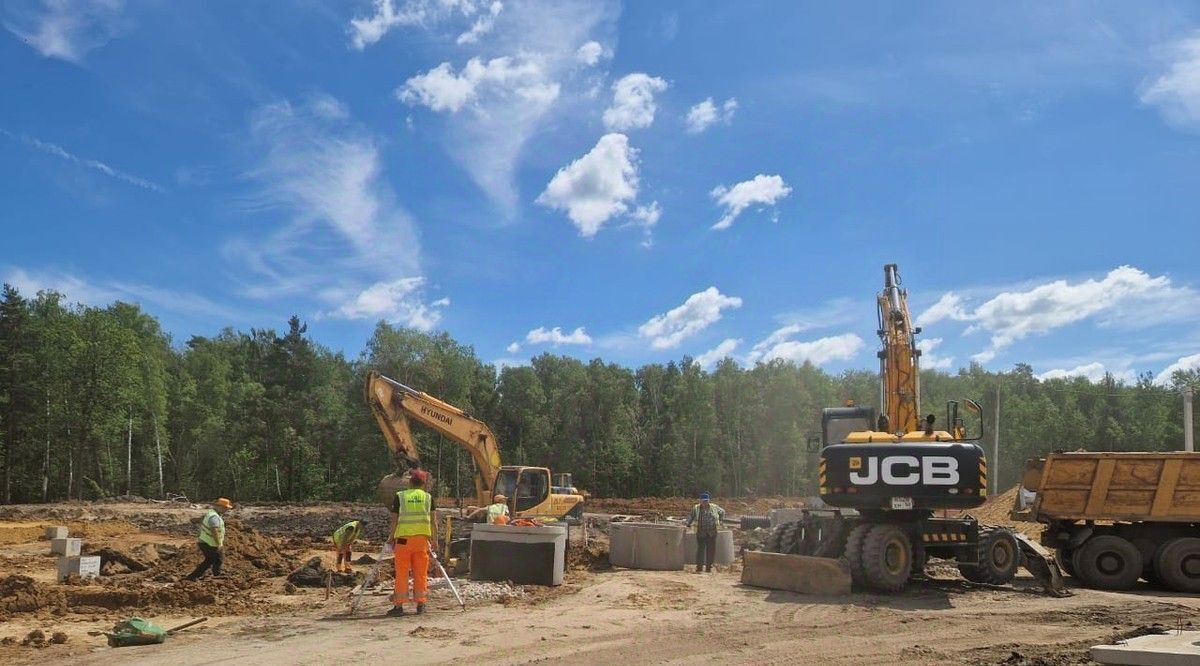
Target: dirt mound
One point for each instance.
(248, 555)
(996, 511)
(22, 594)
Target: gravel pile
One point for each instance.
(475, 590)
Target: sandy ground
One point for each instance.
(598, 617)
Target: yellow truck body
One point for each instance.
(1119, 487)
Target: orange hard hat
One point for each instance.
(223, 502)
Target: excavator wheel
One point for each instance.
(854, 552)
(886, 558)
(775, 539)
(998, 557)
(790, 542)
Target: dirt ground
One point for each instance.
(600, 616)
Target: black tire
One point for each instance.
(887, 558)
(790, 543)
(775, 539)
(854, 552)
(1063, 557)
(997, 557)
(1109, 562)
(1147, 548)
(1177, 564)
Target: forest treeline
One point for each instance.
(98, 401)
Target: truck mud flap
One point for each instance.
(1039, 562)
(796, 573)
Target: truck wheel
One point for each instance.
(997, 558)
(1109, 563)
(887, 558)
(1063, 557)
(854, 552)
(1178, 564)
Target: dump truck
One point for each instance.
(1113, 518)
(886, 478)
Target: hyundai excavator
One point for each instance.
(884, 479)
(529, 491)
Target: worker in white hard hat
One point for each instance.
(497, 511)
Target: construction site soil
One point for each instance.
(601, 615)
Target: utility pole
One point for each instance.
(995, 467)
(1189, 443)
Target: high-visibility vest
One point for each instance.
(713, 510)
(213, 536)
(416, 507)
(347, 534)
(495, 511)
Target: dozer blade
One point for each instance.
(796, 573)
(1041, 564)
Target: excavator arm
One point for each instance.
(394, 404)
(898, 360)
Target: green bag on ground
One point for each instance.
(136, 631)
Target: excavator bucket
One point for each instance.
(796, 573)
(1039, 562)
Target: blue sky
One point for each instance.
(636, 181)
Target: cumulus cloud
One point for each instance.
(513, 347)
(391, 14)
(590, 53)
(721, 351)
(1093, 372)
(394, 301)
(762, 189)
(697, 313)
(633, 104)
(647, 217)
(555, 336)
(1183, 364)
(1126, 296)
(780, 345)
(442, 89)
(67, 29)
(929, 359)
(706, 114)
(1176, 92)
(482, 26)
(342, 237)
(598, 186)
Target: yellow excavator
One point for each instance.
(531, 492)
(882, 480)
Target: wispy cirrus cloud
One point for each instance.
(65, 29)
(95, 165)
(100, 292)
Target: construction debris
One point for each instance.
(314, 573)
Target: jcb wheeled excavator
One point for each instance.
(885, 477)
(529, 490)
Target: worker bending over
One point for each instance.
(212, 539)
(707, 517)
(343, 542)
(412, 531)
(497, 511)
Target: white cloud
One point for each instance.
(1126, 296)
(598, 186)
(482, 26)
(1093, 372)
(762, 189)
(930, 360)
(513, 348)
(555, 336)
(835, 312)
(647, 217)
(395, 301)
(779, 345)
(95, 165)
(710, 357)
(102, 292)
(441, 89)
(590, 53)
(633, 104)
(1185, 363)
(67, 29)
(492, 108)
(697, 313)
(706, 114)
(343, 231)
(1176, 92)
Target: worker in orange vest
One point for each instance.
(412, 530)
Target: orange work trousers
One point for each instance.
(412, 555)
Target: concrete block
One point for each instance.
(795, 573)
(1175, 648)
(781, 516)
(66, 547)
(55, 532)
(724, 554)
(85, 567)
